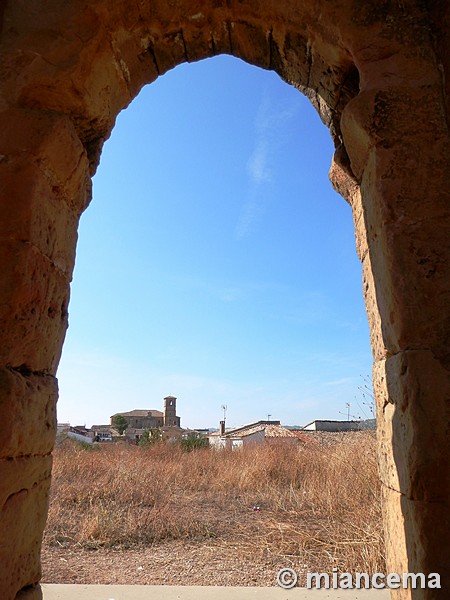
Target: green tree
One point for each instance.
(120, 423)
(150, 436)
(194, 441)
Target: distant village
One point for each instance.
(136, 425)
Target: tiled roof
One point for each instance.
(244, 431)
(140, 413)
(270, 431)
(278, 431)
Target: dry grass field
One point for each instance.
(124, 514)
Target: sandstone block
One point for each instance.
(33, 211)
(293, 56)
(242, 40)
(379, 339)
(414, 544)
(362, 247)
(413, 396)
(136, 61)
(409, 248)
(60, 75)
(167, 50)
(34, 297)
(395, 537)
(343, 182)
(200, 38)
(28, 409)
(50, 143)
(381, 117)
(23, 509)
(412, 390)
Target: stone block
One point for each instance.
(408, 241)
(380, 118)
(395, 540)
(291, 55)
(342, 180)
(167, 50)
(199, 39)
(413, 396)
(251, 42)
(34, 297)
(378, 342)
(24, 492)
(51, 143)
(413, 542)
(33, 211)
(412, 390)
(28, 409)
(61, 77)
(135, 60)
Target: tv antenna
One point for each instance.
(347, 406)
(224, 408)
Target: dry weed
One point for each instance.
(321, 503)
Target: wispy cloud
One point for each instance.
(270, 132)
(257, 165)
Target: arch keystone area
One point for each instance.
(379, 75)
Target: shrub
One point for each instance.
(193, 442)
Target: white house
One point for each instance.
(254, 433)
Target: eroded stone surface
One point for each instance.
(33, 310)
(379, 76)
(27, 406)
(23, 507)
(413, 457)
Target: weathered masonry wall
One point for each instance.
(378, 72)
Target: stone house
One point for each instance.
(141, 419)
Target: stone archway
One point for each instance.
(376, 72)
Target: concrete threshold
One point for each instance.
(168, 592)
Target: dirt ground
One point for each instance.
(169, 563)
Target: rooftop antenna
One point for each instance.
(347, 406)
(224, 408)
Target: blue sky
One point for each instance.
(215, 262)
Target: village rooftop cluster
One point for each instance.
(135, 425)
